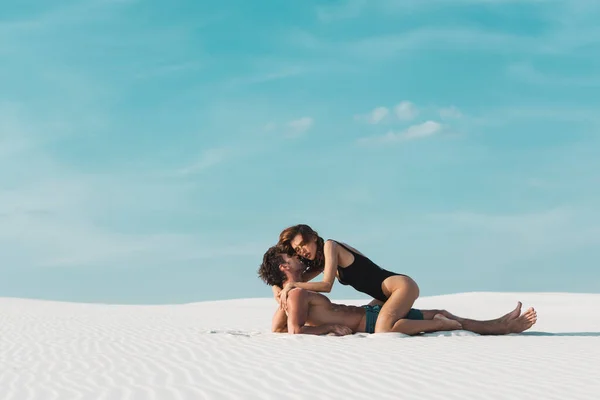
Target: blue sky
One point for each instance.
(151, 152)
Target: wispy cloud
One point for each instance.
(209, 158)
(436, 38)
(374, 117)
(406, 111)
(66, 37)
(169, 69)
(284, 72)
(399, 5)
(420, 131)
(57, 237)
(299, 126)
(290, 129)
(570, 27)
(349, 9)
(60, 17)
(541, 111)
(526, 72)
(403, 111)
(375, 48)
(61, 221)
(413, 132)
(451, 112)
(56, 214)
(61, 218)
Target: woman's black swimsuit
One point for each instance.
(364, 275)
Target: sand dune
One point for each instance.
(224, 350)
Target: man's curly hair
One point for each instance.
(269, 270)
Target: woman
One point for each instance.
(395, 291)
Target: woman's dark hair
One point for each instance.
(308, 234)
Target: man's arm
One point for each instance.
(279, 323)
(338, 330)
(312, 330)
(298, 316)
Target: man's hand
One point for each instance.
(339, 330)
(276, 292)
(283, 295)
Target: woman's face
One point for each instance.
(304, 249)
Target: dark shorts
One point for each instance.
(373, 313)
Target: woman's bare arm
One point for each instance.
(330, 250)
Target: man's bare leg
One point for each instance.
(506, 317)
(508, 323)
(511, 315)
(414, 327)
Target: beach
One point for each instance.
(225, 350)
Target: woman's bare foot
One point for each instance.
(447, 324)
(524, 322)
(511, 315)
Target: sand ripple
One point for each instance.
(52, 350)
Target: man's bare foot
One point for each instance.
(511, 315)
(524, 322)
(447, 324)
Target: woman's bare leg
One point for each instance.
(391, 318)
(403, 292)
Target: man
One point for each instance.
(313, 313)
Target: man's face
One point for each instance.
(293, 263)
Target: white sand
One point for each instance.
(224, 350)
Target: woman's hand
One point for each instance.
(283, 295)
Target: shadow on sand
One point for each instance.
(573, 334)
